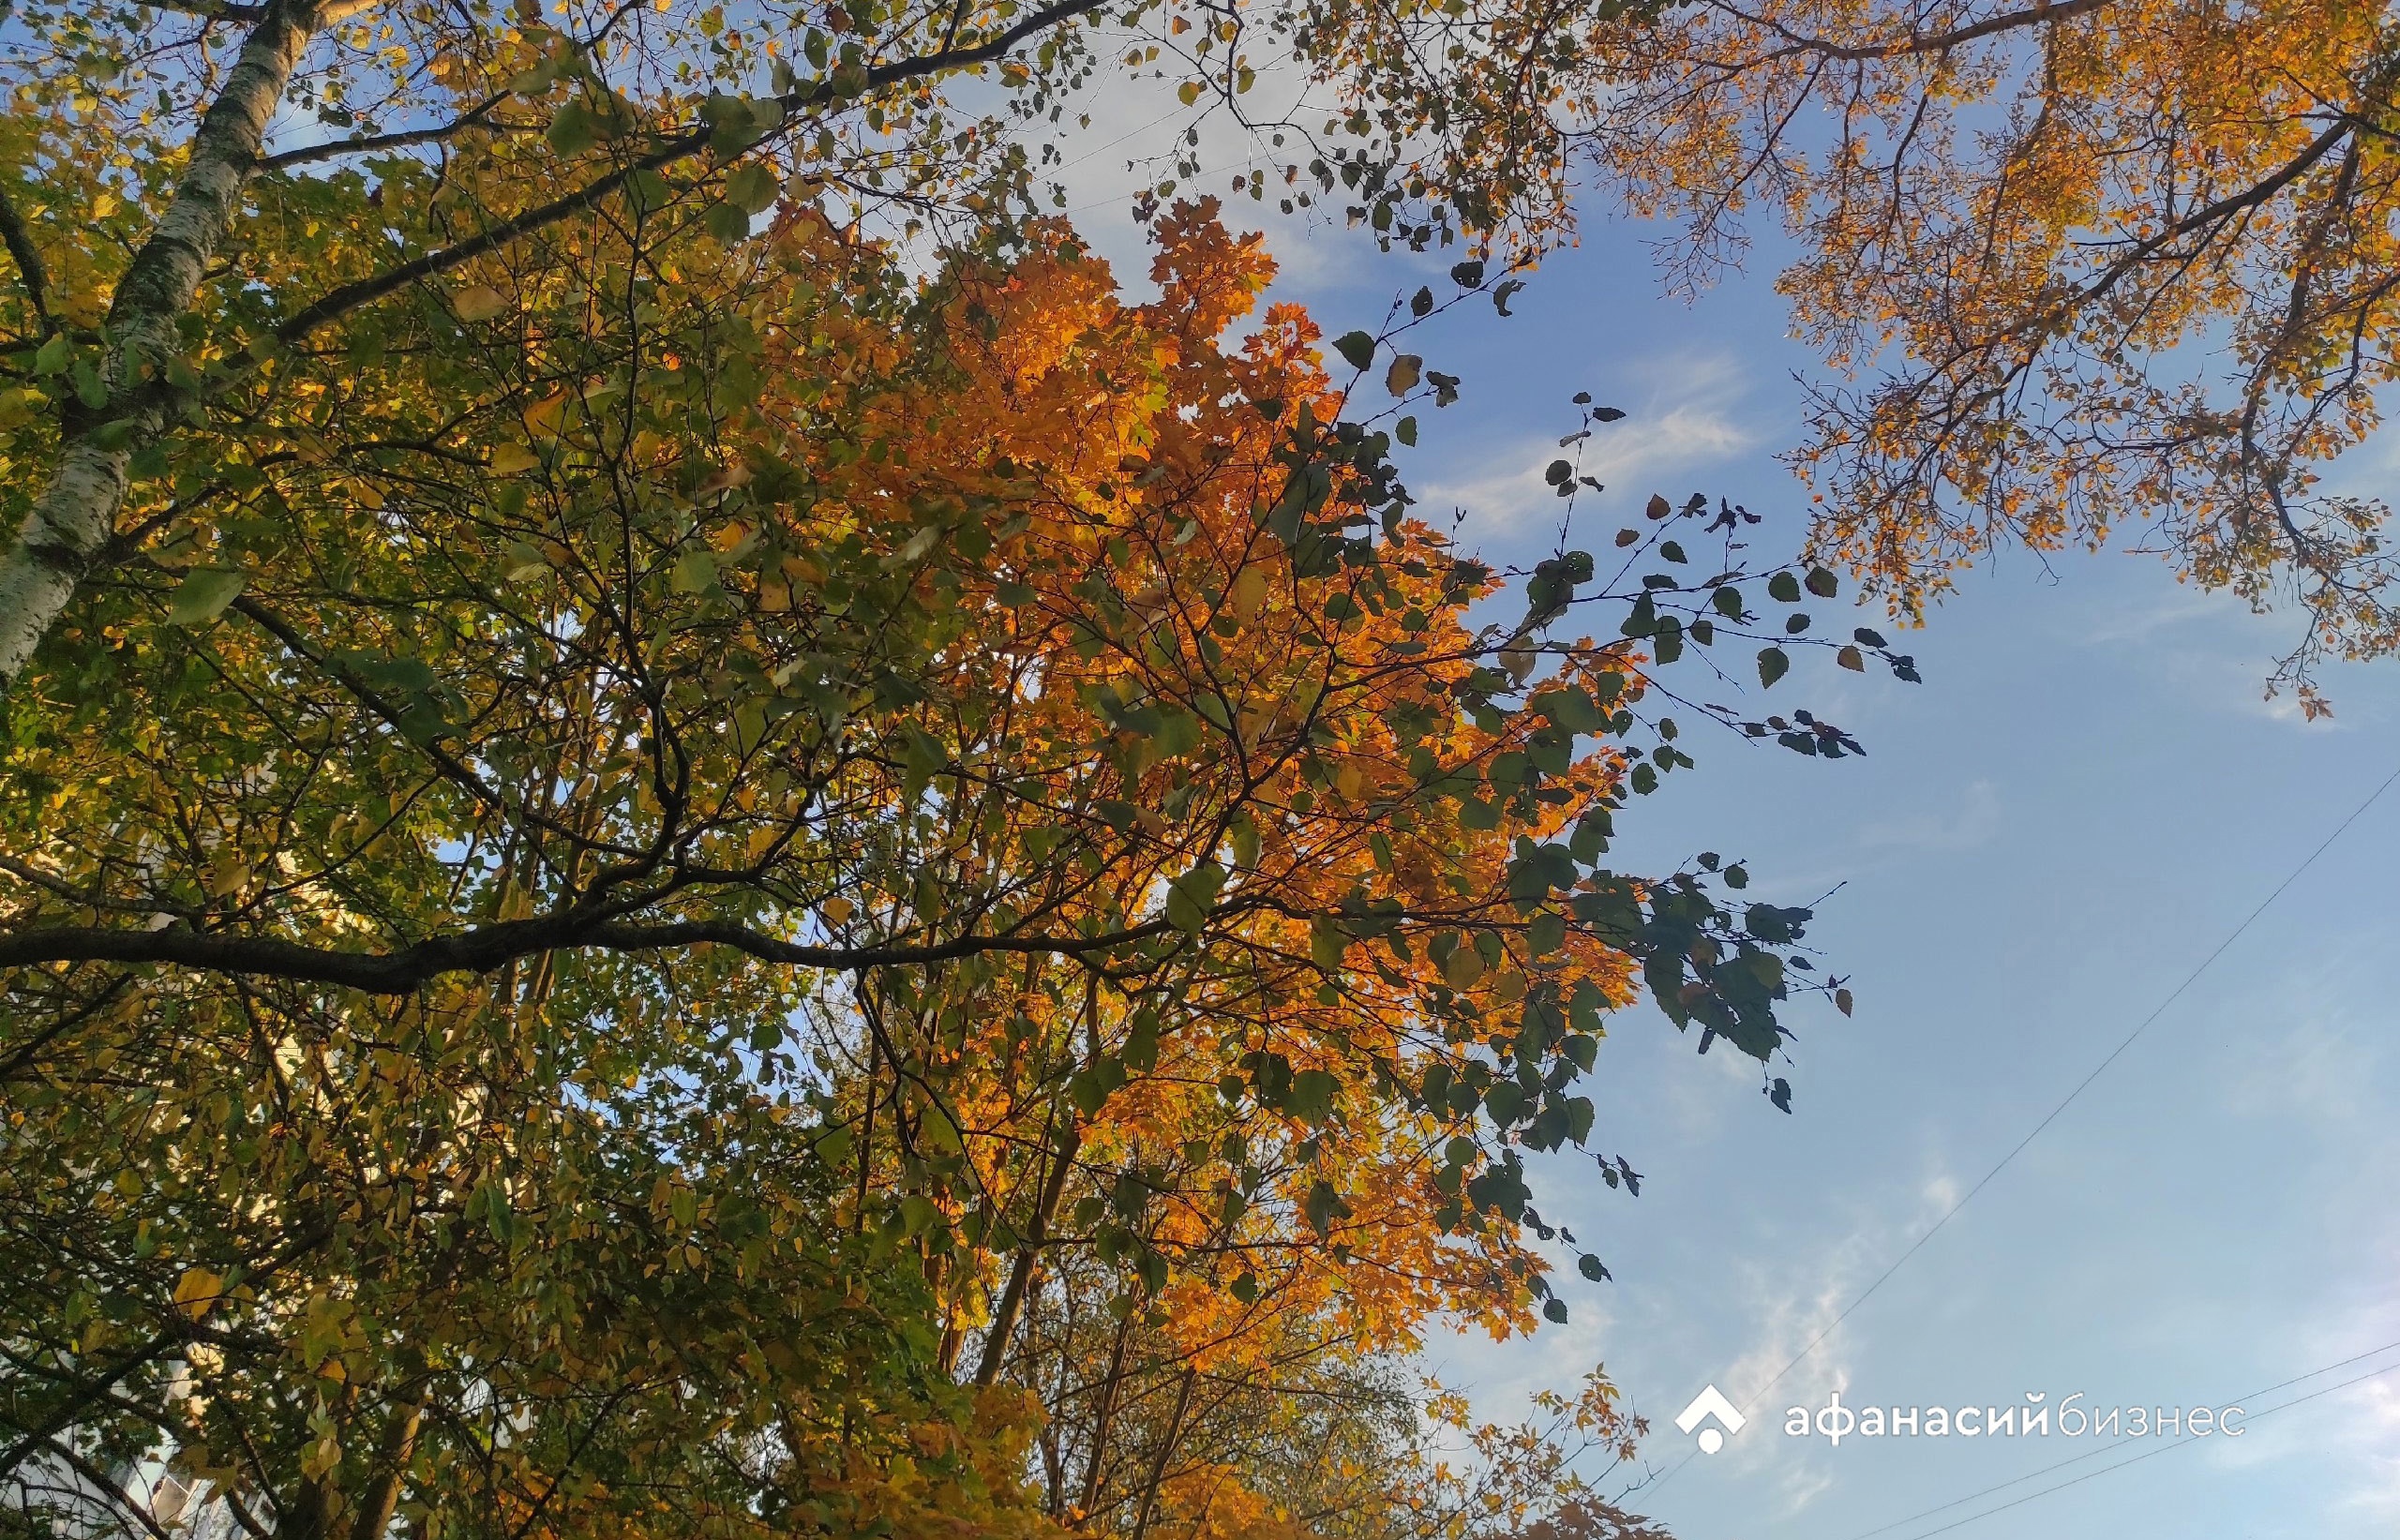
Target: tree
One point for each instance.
(2099, 262)
(2071, 266)
(147, 306)
(520, 736)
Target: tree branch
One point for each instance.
(2042, 14)
(20, 245)
(371, 144)
(1037, 1232)
(487, 948)
(74, 516)
(692, 142)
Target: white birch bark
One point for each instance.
(76, 513)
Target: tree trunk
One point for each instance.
(1166, 1450)
(1095, 1469)
(1036, 1231)
(382, 1494)
(76, 514)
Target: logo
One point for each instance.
(1710, 1402)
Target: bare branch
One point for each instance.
(333, 149)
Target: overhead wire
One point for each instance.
(2120, 1443)
(2150, 1454)
(2052, 1115)
(2085, 1083)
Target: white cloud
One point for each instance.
(1797, 1307)
(2376, 1422)
(1691, 426)
(2343, 1422)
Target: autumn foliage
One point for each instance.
(697, 884)
(2075, 268)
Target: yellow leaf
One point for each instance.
(480, 303)
(196, 1291)
(509, 458)
(543, 416)
(1249, 593)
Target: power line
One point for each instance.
(1133, 133)
(2152, 1454)
(2106, 1448)
(2189, 979)
(2005, 1160)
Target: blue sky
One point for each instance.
(2082, 802)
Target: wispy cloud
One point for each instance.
(1691, 424)
(1795, 1308)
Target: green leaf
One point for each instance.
(727, 223)
(1323, 1206)
(1405, 431)
(572, 129)
(1086, 1090)
(1773, 666)
(1357, 347)
(1589, 1265)
(1556, 1312)
(1184, 912)
(1244, 836)
(753, 187)
(1823, 583)
(1667, 643)
(695, 572)
(1783, 588)
(1310, 1097)
(203, 594)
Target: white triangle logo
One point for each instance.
(1710, 1402)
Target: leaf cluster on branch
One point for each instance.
(2076, 268)
(680, 810)
(669, 869)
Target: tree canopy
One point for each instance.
(147, 295)
(697, 841)
(2075, 267)
(660, 886)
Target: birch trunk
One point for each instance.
(76, 514)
